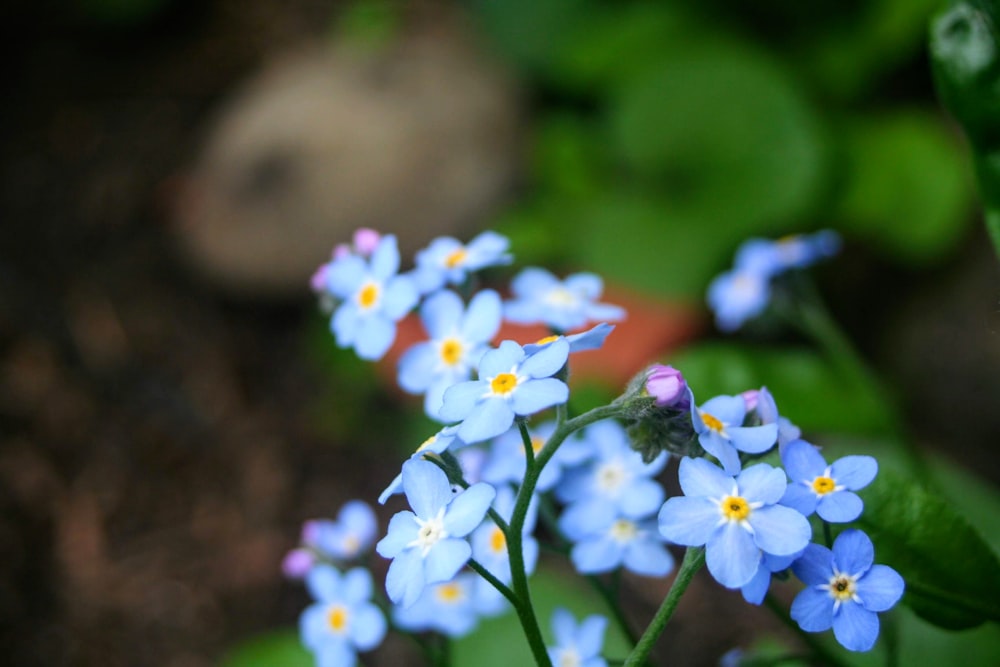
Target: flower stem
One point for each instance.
(494, 582)
(694, 559)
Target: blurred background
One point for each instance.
(172, 403)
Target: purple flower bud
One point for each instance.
(666, 385)
(297, 563)
(365, 241)
(341, 250)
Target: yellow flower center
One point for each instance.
(498, 541)
(712, 422)
(427, 443)
(337, 618)
(823, 485)
(455, 258)
(368, 296)
(546, 340)
(735, 508)
(624, 530)
(451, 351)
(449, 593)
(503, 384)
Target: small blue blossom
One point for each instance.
(798, 251)
(446, 438)
(604, 540)
(343, 621)
(448, 607)
(767, 410)
(510, 383)
(591, 339)
(563, 305)
(372, 299)
(844, 590)
(348, 537)
(755, 591)
(447, 260)
(426, 545)
(737, 296)
(719, 425)
(736, 520)
(577, 645)
(825, 489)
(458, 338)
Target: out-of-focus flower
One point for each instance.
(447, 261)
(343, 621)
(448, 607)
(577, 645)
(563, 305)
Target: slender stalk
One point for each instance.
(827, 535)
(494, 582)
(694, 559)
(820, 652)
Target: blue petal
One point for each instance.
(440, 313)
(344, 324)
(840, 507)
(604, 311)
(532, 281)
(762, 483)
(385, 258)
(336, 654)
(640, 498)
(403, 529)
(780, 530)
(800, 499)
(731, 556)
(547, 361)
(356, 585)
(482, 319)
(855, 627)
(399, 297)
(688, 521)
(313, 626)
(721, 449)
(729, 410)
(853, 552)
(649, 558)
(344, 276)
(880, 588)
(460, 399)
(488, 419)
(535, 395)
(417, 368)
(445, 559)
(374, 337)
(590, 635)
(323, 582)
(500, 360)
(588, 285)
(596, 555)
(699, 477)
(802, 461)
(754, 439)
(563, 627)
(754, 591)
(815, 566)
(468, 508)
(426, 487)
(586, 518)
(854, 472)
(368, 627)
(812, 609)
(405, 579)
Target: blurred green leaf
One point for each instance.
(807, 389)
(909, 187)
(952, 576)
(569, 157)
(279, 648)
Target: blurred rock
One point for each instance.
(419, 138)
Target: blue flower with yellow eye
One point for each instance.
(448, 261)
(458, 338)
(343, 620)
(563, 305)
(719, 425)
(825, 489)
(448, 607)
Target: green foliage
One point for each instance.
(278, 648)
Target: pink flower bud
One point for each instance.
(665, 384)
(750, 399)
(297, 563)
(365, 241)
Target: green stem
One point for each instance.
(494, 582)
(827, 535)
(694, 559)
(820, 652)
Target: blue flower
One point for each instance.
(825, 489)
(756, 589)
(489, 548)
(605, 540)
(448, 607)
(562, 305)
(616, 477)
(348, 537)
(510, 383)
(372, 299)
(769, 258)
(844, 590)
(737, 296)
(767, 410)
(426, 545)
(577, 645)
(343, 621)
(719, 425)
(591, 339)
(447, 260)
(735, 519)
(458, 338)
(446, 438)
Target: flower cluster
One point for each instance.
(466, 546)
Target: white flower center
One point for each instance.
(430, 533)
(624, 530)
(569, 658)
(842, 587)
(611, 476)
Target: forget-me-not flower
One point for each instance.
(755, 591)
(446, 438)
(448, 607)
(844, 590)
(577, 645)
(603, 540)
(719, 425)
(737, 296)
(427, 545)
(343, 621)
(346, 538)
(563, 305)
(735, 519)
(448, 260)
(767, 411)
(458, 338)
(591, 339)
(372, 299)
(510, 383)
(825, 489)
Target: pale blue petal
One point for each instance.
(648, 557)
(596, 555)
(721, 449)
(800, 498)
(729, 410)
(840, 507)
(754, 439)
(313, 628)
(854, 472)
(604, 311)
(440, 313)
(855, 627)
(547, 361)
(802, 461)
(780, 530)
(853, 552)
(522, 312)
(588, 285)
(416, 367)
(324, 584)
(434, 399)
(814, 566)
(536, 395)
(754, 591)
(356, 585)
(812, 609)
(368, 627)
(460, 399)
(699, 477)
(445, 559)
(405, 579)
(880, 588)
(762, 483)
(532, 281)
(385, 258)
(482, 319)
(590, 635)
(500, 360)
(344, 276)
(403, 529)
(374, 337)
(336, 654)
(731, 556)
(640, 498)
(563, 626)
(399, 297)
(529, 550)
(488, 419)
(688, 521)
(344, 324)
(586, 518)
(426, 487)
(468, 508)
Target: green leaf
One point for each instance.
(808, 390)
(952, 576)
(279, 648)
(909, 189)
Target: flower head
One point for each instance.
(577, 645)
(349, 536)
(844, 590)
(605, 539)
(719, 425)
(825, 489)
(447, 260)
(343, 620)
(563, 305)
(427, 545)
(737, 520)
(666, 384)
(510, 383)
(737, 296)
(448, 607)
